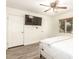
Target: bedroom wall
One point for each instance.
(49, 28)
(31, 34)
(57, 18)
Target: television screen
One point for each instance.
(33, 20)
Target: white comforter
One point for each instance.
(57, 48)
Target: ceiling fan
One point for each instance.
(54, 6)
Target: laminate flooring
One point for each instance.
(24, 52)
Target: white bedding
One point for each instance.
(65, 46)
(57, 48)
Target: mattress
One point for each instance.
(57, 48)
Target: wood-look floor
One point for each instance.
(24, 52)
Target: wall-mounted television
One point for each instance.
(33, 20)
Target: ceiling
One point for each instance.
(34, 5)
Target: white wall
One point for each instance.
(58, 17)
(49, 28)
(31, 34)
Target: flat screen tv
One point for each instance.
(33, 20)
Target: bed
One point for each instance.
(57, 47)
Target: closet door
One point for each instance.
(15, 30)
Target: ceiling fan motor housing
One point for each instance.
(52, 4)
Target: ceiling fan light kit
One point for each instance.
(53, 6)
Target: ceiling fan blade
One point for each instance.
(47, 10)
(56, 2)
(61, 7)
(44, 5)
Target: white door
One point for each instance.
(15, 30)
